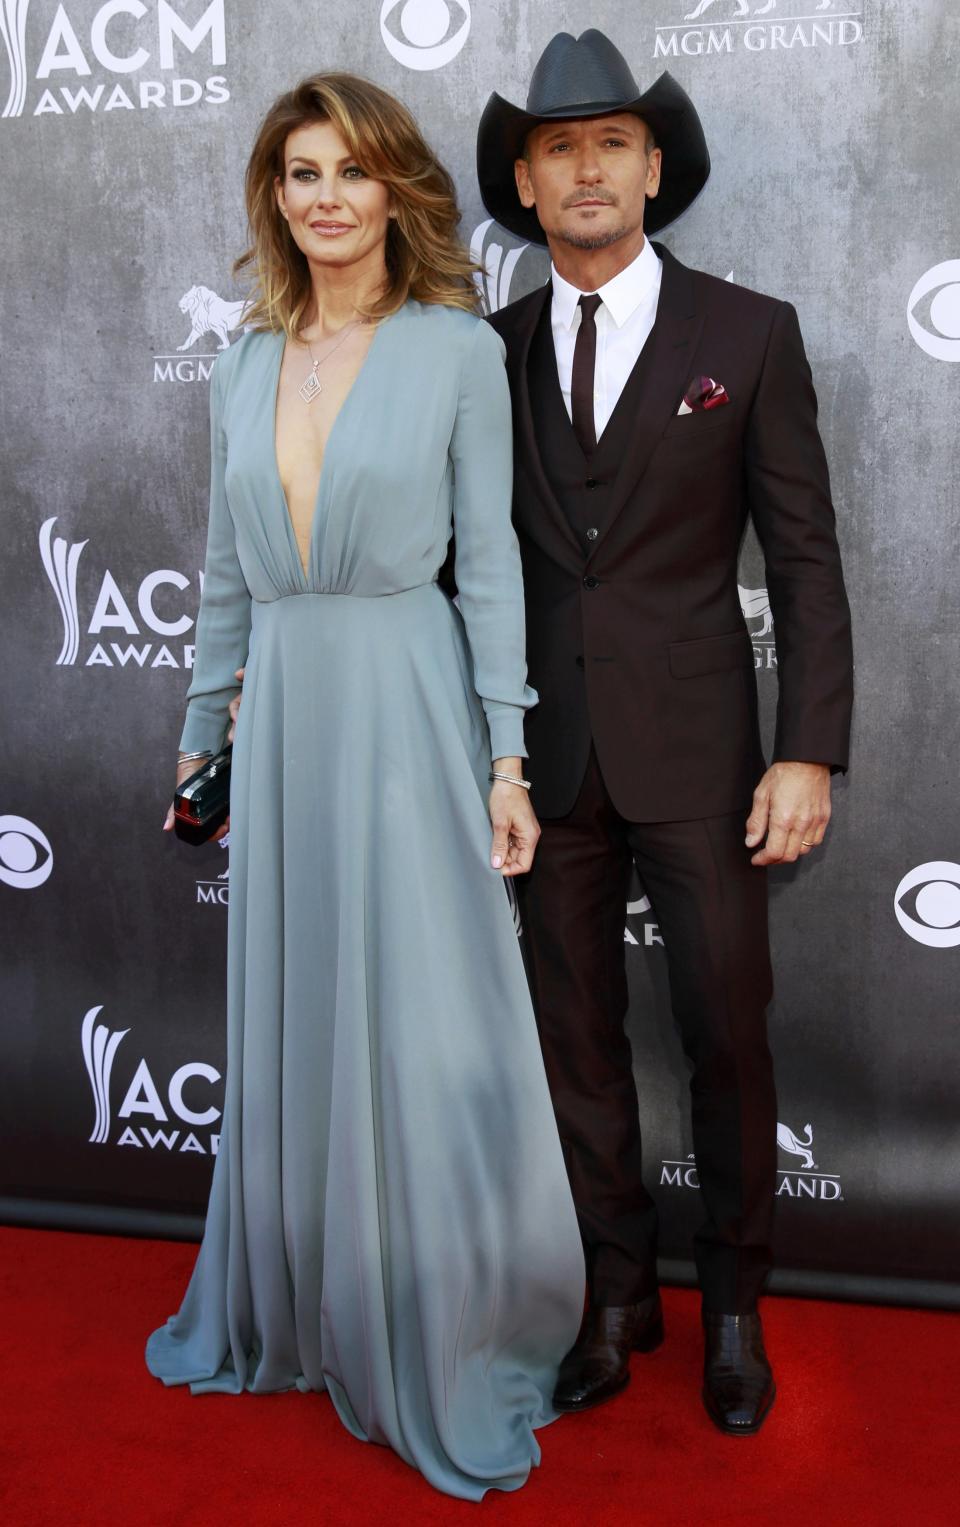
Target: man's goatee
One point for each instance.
(592, 240)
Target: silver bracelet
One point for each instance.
(189, 757)
(510, 779)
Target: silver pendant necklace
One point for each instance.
(312, 385)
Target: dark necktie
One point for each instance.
(584, 364)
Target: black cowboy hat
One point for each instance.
(588, 77)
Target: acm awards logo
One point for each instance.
(498, 254)
(758, 26)
(114, 43)
(113, 611)
(207, 313)
(21, 866)
(182, 1115)
(927, 904)
(803, 1181)
(424, 34)
(497, 264)
(936, 296)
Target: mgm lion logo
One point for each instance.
(210, 314)
(755, 604)
(743, 9)
(797, 1145)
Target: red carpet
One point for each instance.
(864, 1430)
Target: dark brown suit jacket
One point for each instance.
(638, 642)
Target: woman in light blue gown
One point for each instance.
(390, 1218)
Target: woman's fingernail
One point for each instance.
(497, 861)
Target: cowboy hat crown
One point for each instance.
(588, 77)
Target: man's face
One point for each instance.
(589, 179)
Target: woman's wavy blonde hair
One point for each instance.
(425, 259)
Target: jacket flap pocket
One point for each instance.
(711, 654)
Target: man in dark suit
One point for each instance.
(655, 409)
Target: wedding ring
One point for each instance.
(805, 844)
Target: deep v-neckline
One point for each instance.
(291, 531)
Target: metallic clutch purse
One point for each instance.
(201, 803)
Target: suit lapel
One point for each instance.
(666, 371)
(523, 330)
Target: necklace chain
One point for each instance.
(312, 385)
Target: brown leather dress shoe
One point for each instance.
(598, 1365)
(738, 1387)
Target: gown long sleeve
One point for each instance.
(488, 571)
(223, 625)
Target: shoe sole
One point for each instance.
(738, 1431)
(588, 1404)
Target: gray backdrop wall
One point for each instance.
(125, 131)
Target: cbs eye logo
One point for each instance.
(20, 863)
(942, 339)
(427, 33)
(927, 904)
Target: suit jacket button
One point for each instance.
(591, 482)
(590, 582)
(579, 662)
(592, 534)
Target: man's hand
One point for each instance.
(791, 809)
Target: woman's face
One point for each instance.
(337, 215)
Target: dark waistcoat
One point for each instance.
(582, 484)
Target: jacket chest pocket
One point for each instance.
(715, 426)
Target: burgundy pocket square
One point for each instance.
(703, 393)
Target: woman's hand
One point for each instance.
(184, 771)
(235, 706)
(515, 825)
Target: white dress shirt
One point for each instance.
(624, 320)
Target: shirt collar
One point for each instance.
(621, 296)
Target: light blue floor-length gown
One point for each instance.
(389, 1218)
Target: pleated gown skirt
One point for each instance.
(389, 1218)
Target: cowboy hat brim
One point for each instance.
(667, 110)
